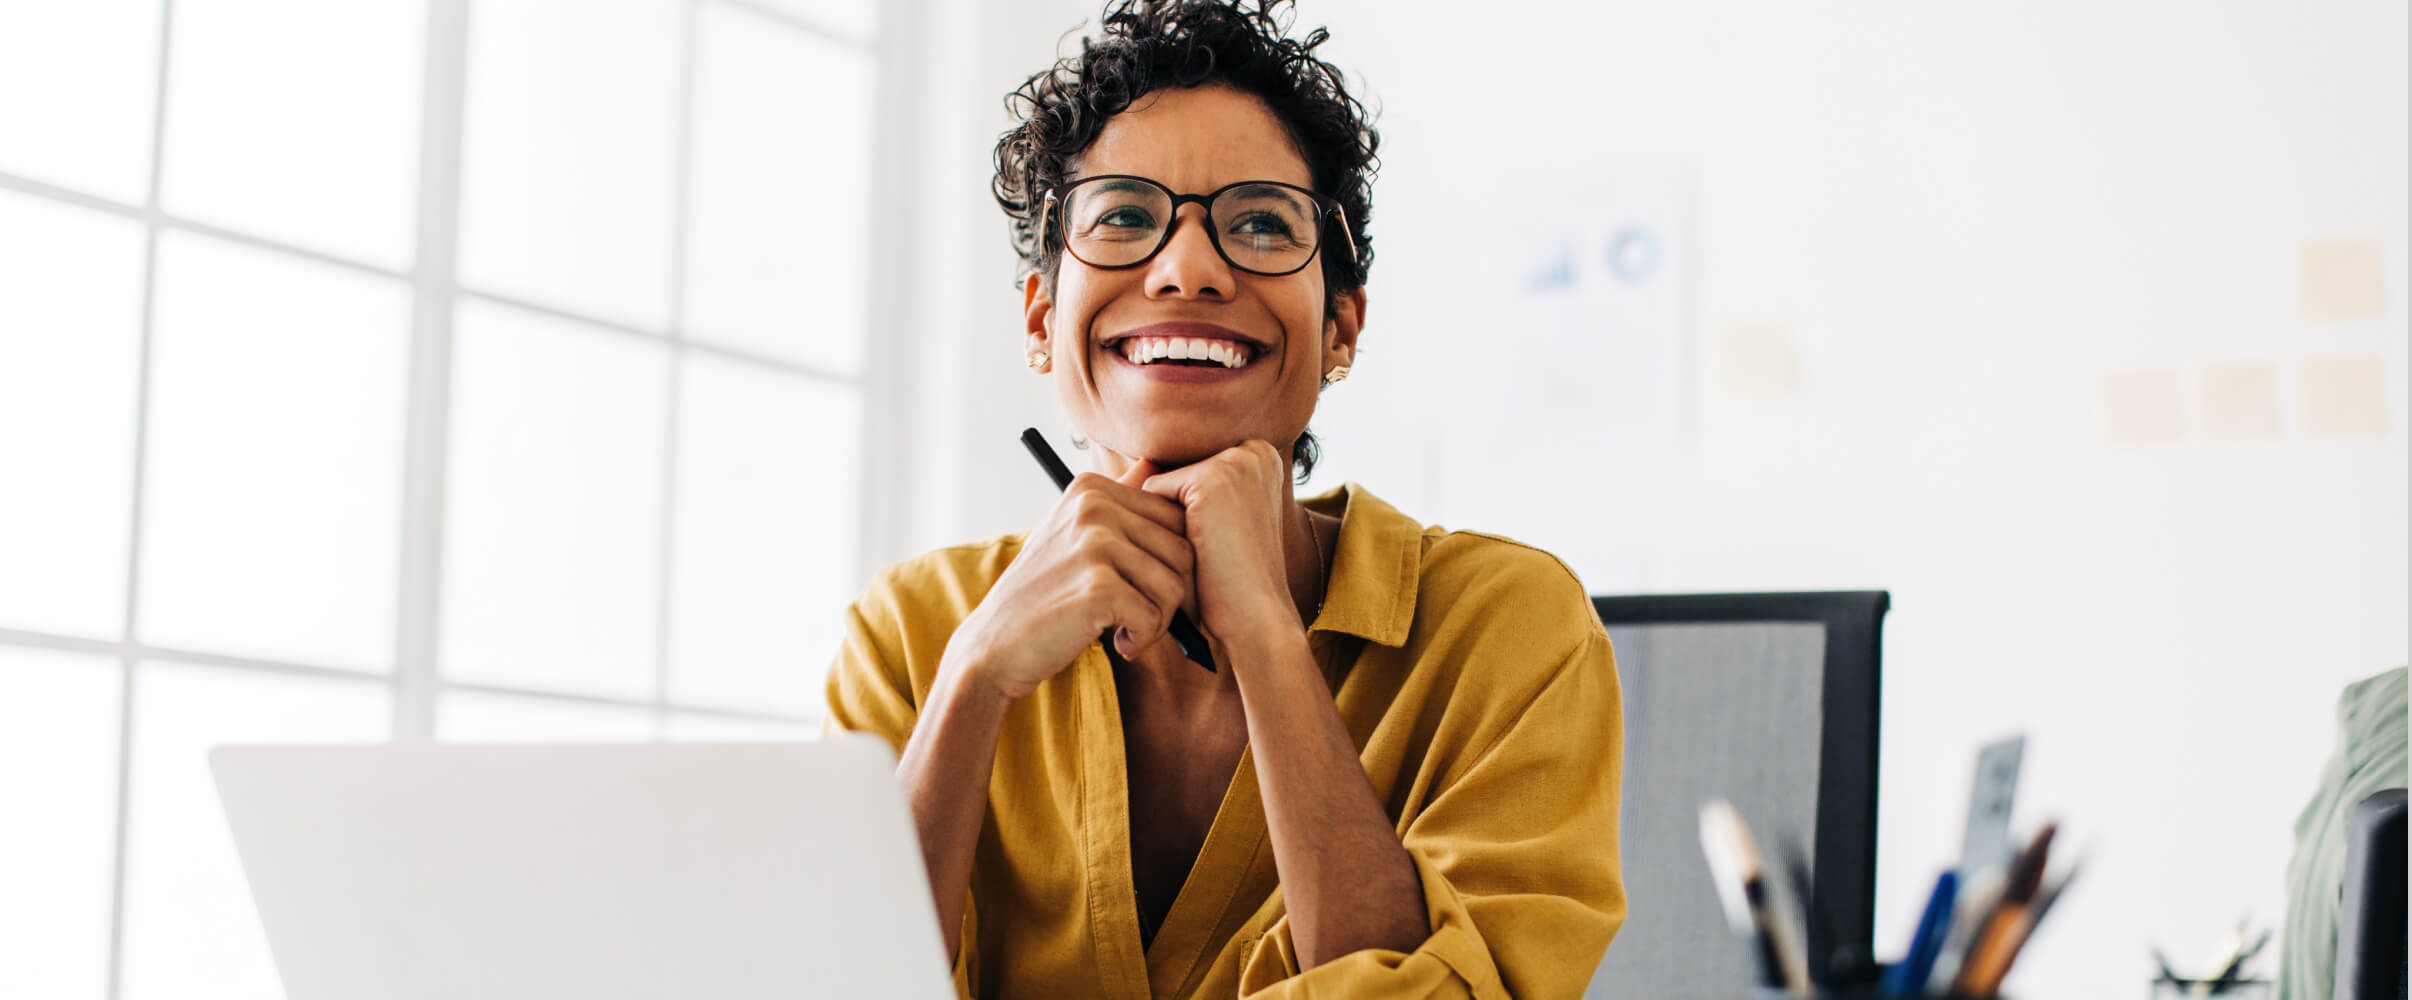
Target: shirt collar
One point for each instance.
(1380, 558)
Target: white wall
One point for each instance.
(1967, 216)
(950, 335)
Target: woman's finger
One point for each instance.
(1168, 545)
(1110, 513)
(1138, 621)
(1160, 585)
(1163, 511)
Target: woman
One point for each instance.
(1400, 778)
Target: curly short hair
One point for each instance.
(1148, 46)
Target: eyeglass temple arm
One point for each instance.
(1348, 238)
(1046, 220)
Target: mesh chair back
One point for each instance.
(1767, 701)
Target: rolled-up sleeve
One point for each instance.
(868, 688)
(1517, 856)
(870, 691)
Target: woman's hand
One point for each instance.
(1349, 882)
(1107, 556)
(1237, 516)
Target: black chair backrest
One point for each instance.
(1768, 701)
(2370, 923)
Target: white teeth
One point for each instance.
(1143, 350)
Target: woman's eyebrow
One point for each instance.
(1284, 195)
(1120, 184)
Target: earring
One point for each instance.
(1337, 375)
(1039, 362)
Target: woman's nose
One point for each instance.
(1189, 266)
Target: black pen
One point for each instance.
(1844, 965)
(1192, 644)
(1741, 879)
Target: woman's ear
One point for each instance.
(1038, 305)
(1341, 324)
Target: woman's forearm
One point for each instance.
(1349, 883)
(944, 771)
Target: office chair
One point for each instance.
(2370, 921)
(1768, 701)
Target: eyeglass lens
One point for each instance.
(1266, 228)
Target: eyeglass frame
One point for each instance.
(1051, 217)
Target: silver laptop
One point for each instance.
(733, 871)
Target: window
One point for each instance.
(404, 370)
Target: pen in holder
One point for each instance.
(1868, 991)
(2001, 914)
(1864, 991)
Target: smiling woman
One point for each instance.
(1406, 781)
(1139, 272)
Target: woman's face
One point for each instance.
(1194, 142)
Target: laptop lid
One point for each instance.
(733, 871)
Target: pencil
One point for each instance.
(1998, 943)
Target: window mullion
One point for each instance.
(434, 286)
(683, 172)
(902, 95)
(128, 661)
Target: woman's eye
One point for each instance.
(1125, 218)
(1261, 224)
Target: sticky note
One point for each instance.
(2344, 397)
(2239, 401)
(2142, 408)
(2341, 279)
(1759, 361)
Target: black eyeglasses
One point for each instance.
(1114, 221)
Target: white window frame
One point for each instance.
(435, 289)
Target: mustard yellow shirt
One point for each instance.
(1473, 676)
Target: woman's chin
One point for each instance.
(1173, 447)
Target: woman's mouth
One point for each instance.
(1191, 352)
(1170, 357)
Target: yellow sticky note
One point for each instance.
(1759, 361)
(2239, 400)
(2143, 408)
(2344, 397)
(2341, 279)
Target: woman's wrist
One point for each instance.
(967, 683)
(1269, 619)
(1278, 639)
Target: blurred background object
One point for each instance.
(2329, 895)
(529, 369)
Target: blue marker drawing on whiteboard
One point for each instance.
(1633, 254)
(1557, 273)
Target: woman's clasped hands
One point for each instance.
(1125, 554)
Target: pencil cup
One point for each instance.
(1869, 990)
(2236, 989)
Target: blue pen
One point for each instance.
(1908, 976)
